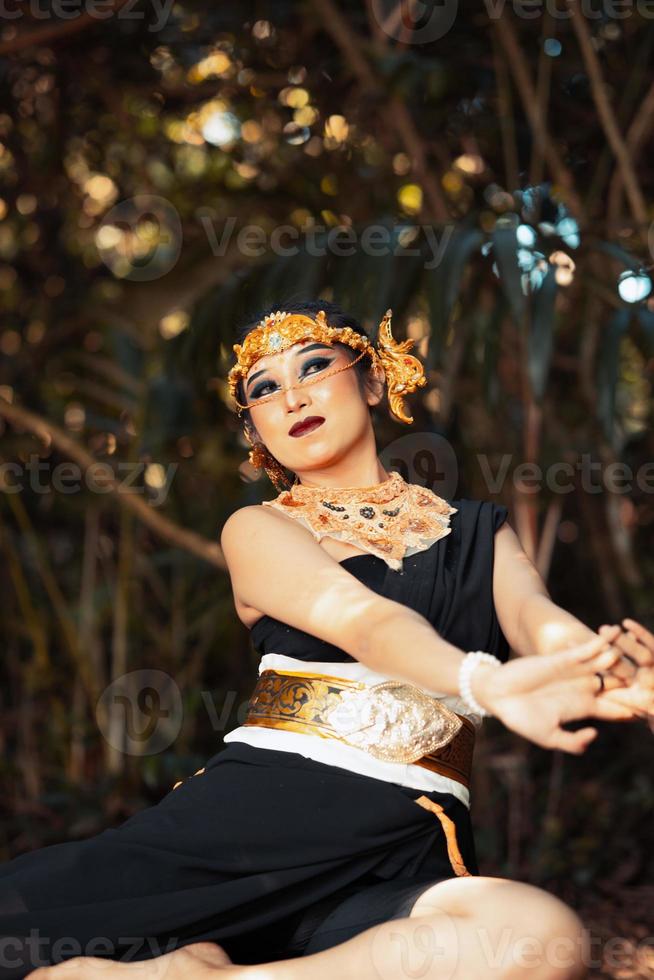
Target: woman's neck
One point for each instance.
(345, 478)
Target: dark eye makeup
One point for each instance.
(320, 362)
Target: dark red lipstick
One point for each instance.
(306, 425)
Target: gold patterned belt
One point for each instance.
(393, 721)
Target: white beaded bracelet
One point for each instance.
(468, 664)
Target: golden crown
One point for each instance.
(278, 331)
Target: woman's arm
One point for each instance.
(277, 567)
(530, 620)
(533, 624)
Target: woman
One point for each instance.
(342, 802)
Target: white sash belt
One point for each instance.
(335, 753)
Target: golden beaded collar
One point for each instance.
(391, 520)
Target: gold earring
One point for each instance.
(261, 458)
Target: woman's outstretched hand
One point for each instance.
(635, 669)
(535, 695)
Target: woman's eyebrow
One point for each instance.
(304, 350)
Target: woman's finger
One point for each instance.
(574, 742)
(581, 700)
(588, 684)
(585, 700)
(638, 700)
(640, 632)
(545, 669)
(584, 660)
(611, 682)
(599, 647)
(612, 711)
(601, 660)
(634, 652)
(588, 656)
(631, 654)
(634, 649)
(524, 674)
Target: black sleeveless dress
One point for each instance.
(267, 852)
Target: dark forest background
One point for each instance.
(166, 171)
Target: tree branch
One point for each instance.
(55, 32)
(641, 126)
(344, 37)
(532, 109)
(163, 527)
(506, 118)
(607, 117)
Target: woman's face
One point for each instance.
(336, 399)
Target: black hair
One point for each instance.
(336, 317)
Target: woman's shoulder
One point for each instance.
(248, 518)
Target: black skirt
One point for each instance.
(268, 853)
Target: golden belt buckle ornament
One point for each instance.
(393, 721)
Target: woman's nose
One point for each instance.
(295, 398)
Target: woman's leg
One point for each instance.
(478, 927)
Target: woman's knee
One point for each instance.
(531, 925)
(556, 935)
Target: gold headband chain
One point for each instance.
(321, 377)
(278, 331)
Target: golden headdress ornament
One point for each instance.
(278, 331)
